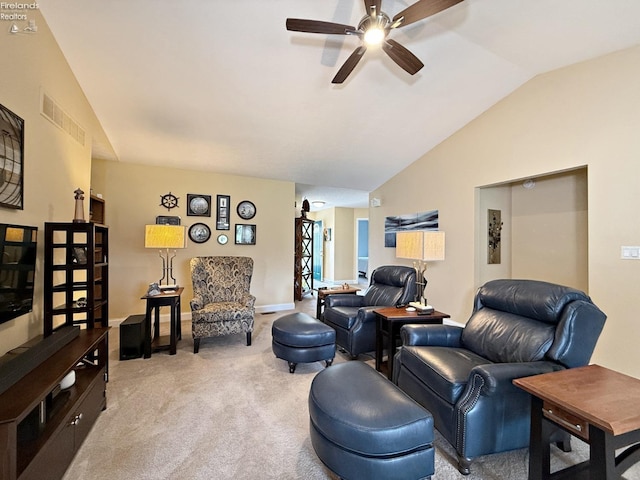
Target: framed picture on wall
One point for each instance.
(11, 159)
(245, 234)
(198, 205)
(222, 212)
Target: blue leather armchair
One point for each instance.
(352, 316)
(463, 376)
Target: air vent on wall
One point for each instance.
(52, 111)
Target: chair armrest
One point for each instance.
(341, 300)
(196, 303)
(431, 335)
(248, 300)
(497, 377)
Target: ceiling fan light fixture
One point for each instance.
(374, 36)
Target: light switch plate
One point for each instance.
(630, 253)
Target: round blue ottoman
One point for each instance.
(300, 338)
(363, 427)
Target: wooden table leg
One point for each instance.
(147, 332)
(394, 333)
(539, 447)
(179, 326)
(173, 329)
(602, 462)
(378, 343)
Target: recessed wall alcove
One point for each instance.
(544, 234)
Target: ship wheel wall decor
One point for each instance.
(373, 29)
(168, 201)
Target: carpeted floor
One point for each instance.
(232, 412)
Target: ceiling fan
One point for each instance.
(373, 30)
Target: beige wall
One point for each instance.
(550, 230)
(583, 115)
(132, 196)
(54, 164)
(344, 240)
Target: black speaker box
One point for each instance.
(132, 337)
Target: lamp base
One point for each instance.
(169, 287)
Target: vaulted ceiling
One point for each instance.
(222, 86)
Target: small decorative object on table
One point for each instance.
(79, 213)
(154, 289)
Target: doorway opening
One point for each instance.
(318, 252)
(362, 248)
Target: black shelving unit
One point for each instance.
(303, 262)
(76, 267)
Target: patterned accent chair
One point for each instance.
(222, 304)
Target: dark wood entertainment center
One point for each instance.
(42, 426)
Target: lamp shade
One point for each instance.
(164, 236)
(420, 245)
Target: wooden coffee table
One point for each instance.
(389, 320)
(323, 292)
(599, 406)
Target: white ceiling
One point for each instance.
(223, 86)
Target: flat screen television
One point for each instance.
(17, 270)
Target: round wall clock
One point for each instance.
(223, 239)
(199, 233)
(246, 209)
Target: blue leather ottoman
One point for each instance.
(364, 427)
(300, 338)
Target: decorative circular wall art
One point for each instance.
(199, 205)
(223, 239)
(168, 201)
(199, 233)
(246, 210)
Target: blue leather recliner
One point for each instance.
(352, 316)
(463, 376)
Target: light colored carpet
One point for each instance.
(232, 412)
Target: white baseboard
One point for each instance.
(275, 308)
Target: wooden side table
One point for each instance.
(593, 403)
(154, 302)
(323, 292)
(388, 323)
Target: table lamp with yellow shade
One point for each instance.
(165, 238)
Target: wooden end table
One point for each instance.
(168, 298)
(593, 403)
(323, 292)
(388, 323)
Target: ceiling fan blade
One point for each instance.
(422, 9)
(403, 57)
(317, 26)
(372, 3)
(349, 65)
